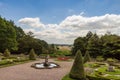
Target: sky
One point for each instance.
(62, 21)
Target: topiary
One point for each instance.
(6, 53)
(32, 55)
(77, 70)
(87, 57)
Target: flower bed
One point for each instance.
(63, 58)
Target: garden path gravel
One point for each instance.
(25, 72)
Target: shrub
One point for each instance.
(87, 57)
(96, 78)
(100, 58)
(77, 70)
(110, 60)
(5, 62)
(32, 55)
(6, 53)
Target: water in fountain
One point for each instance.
(45, 65)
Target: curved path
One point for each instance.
(25, 72)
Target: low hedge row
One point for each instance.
(96, 78)
(10, 61)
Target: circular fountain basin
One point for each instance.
(42, 66)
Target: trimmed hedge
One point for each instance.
(77, 70)
(96, 78)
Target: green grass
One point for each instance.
(66, 77)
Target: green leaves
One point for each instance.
(7, 35)
(77, 70)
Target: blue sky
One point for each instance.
(54, 11)
(57, 12)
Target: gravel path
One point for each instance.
(25, 72)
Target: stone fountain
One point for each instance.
(45, 64)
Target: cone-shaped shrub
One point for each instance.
(77, 70)
(32, 55)
(87, 57)
(7, 53)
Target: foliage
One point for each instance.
(7, 53)
(32, 55)
(79, 45)
(28, 42)
(96, 78)
(4, 62)
(94, 46)
(77, 70)
(87, 57)
(101, 72)
(107, 45)
(99, 58)
(66, 77)
(110, 60)
(7, 35)
(52, 49)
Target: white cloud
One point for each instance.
(73, 27)
(33, 22)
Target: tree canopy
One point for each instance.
(17, 41)
(107, 45)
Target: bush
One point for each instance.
(32, 55)
(110, 60)
(6, 53)
(100, 58)
(96, 78)
(87, 57)
(7, 61)
(77, 70)
(20, 59)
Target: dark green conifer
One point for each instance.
(77, 70)
(32, 55)
(87, 57)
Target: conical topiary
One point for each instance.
(32, 55)
(7, 53)
(77, 70)
(87, 57)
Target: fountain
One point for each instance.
(45, 65)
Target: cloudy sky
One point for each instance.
(61, 21)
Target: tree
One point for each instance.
(7, 53)
(7, 35)
(28, 42)
(77, 70)
(89, 35)
(111, 46)
(87, 57)
(52, 49)
(95, 46)
(79, 44)
(32, 55)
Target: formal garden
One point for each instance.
(87, 69)
(93, 57)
